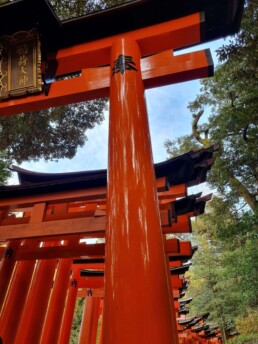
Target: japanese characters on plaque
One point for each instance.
(20, 64)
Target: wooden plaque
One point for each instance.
(20, 64)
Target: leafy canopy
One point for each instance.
(227, 105)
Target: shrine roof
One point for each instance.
(191, 321)
(222, 18)
(190, 168)
(180, 270)
(185, 301)
(185, 321)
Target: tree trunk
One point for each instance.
(233, 181)
(243, 192)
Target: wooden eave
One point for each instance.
(185, 301)
(185, 321)
(180, 270)
(222, 18)
(177, 170)
(184, 310)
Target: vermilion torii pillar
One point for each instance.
(136, 304)
(56, 306)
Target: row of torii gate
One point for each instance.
(132, 277)
(53, 266)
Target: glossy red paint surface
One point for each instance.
(6, 270)
(15, 300)
(56, 305)
(89, 326)
(137, 306)
(34, 311)
(67, 320)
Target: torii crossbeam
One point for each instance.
(159, 67)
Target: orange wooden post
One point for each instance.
(56, 305)
(34, 311)
(174, 321)
(101, 323)
(19, 287)
(6, 268)
(95, 320)
(15, 300)
(67, 321)
(90, 317)
(137, 307)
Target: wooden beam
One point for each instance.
(53, 228)
(90, 226)
(158, 70)
(182, 225)
(172, 246)
(172, 34)
(170, 195)
(95, 194)
(91, 282)
(79, 250)
(89, 195)
(166, 69)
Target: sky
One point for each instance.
(168, 118)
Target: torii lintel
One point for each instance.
(158, 66)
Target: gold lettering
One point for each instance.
(22, 51)
(23, 80)
(22, 61)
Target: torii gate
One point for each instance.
(134, 55)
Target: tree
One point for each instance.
(67, 9)
(4, 171)
(224, 271)
(231, 100)
(210, 289)
(249, 324)
(223, 275)
(50, 134)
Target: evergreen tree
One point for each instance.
(229, 100)
(224, 271)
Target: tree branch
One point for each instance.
(243, 192)
(206, 142)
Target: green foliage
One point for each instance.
(210, 285)
(224, 222)
(4, 171)
(224, 271)
(181, 145)
(244, 339)
(229, 102)
(241, 266)
(67, 9)
(232, 123)
(50, 134)
(79, 306)
(249, 324)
